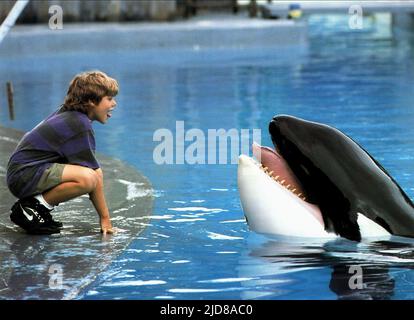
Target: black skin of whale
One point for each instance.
(342, 178)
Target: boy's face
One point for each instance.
(102, 111)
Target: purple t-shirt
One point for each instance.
(64, 137)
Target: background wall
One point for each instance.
(97, 10)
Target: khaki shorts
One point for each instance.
(50, 178)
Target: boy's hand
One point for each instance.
(106, 226)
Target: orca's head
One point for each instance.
(273, 197)
(296, 188)
(291, 135)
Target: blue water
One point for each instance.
(197, 245)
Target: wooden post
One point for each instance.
(10, 99)
(235, 6)
(253, 9)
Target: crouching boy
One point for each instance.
(55, 161)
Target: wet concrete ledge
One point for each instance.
(59, 266)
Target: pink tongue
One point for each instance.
(271, 159)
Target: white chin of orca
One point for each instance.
(272, 209)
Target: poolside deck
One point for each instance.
(32, 265)
(209, 31)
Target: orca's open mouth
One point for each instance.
(275, 166)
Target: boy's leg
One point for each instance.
(76, 181)
(31, 213)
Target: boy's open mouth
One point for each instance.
(109, 114)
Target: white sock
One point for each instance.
(40, 198)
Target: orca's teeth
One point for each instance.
(282, 183)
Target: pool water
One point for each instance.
(197, 244)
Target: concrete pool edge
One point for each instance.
(240, 33)
(31, 265)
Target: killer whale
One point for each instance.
(341, 178)
(321, 173)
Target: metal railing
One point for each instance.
(11, 18)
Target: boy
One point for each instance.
(55, 161)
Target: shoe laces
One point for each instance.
(44, 212)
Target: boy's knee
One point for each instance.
(99, 173)
(89, 180)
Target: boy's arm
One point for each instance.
(98, 199)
